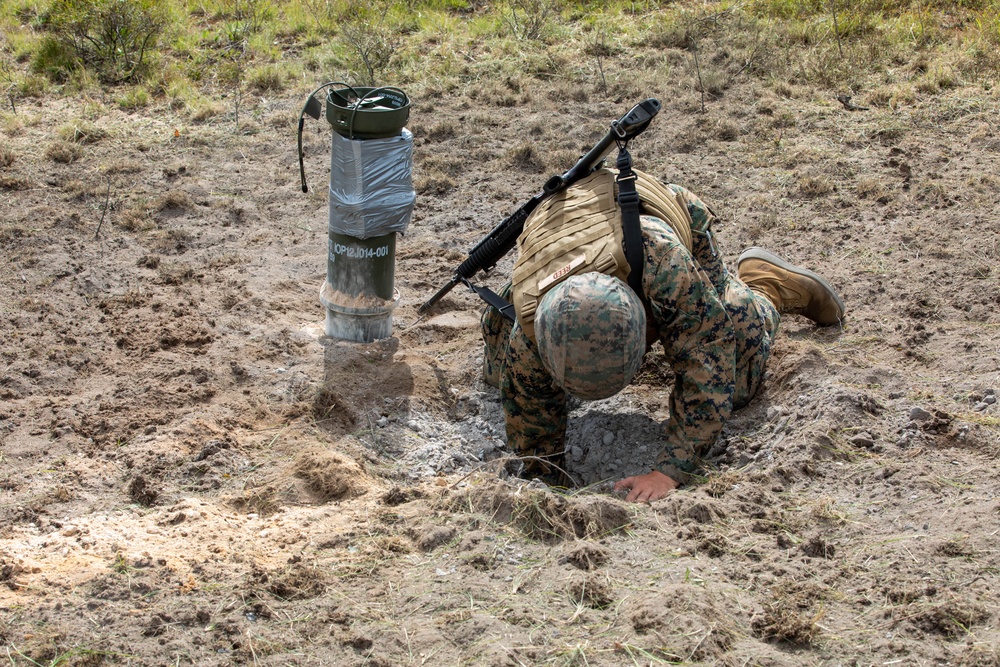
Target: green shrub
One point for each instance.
(527, 19)
(113, 37)
(267, 79)
(367, 32)
(32, 85)
(53, 59)
(133, 98)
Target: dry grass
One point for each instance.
(81, 132)
(7, 157)
(63, 152)
(543, 515)
(526, 157)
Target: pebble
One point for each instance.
(609, 439)
(989, 399)
(413, 426)
(782, 425)
(863, 439)
(919, 414)
(382, 422)
(576, 452)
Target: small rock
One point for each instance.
(413, 426)
(979, 407)
(382, 422)
(430, 539)
(989, 399)
(576, 452)
(863, 439)
(919, 414)
(609, 439)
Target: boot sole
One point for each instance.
(760, 253)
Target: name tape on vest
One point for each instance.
(548, 280)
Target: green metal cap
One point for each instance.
(367, 113)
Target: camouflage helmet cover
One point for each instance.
(591, 334)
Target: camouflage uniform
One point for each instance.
(716, 334)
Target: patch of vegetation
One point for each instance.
(113, 37)
(205, 58)
(371, 37)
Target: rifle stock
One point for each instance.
(495, 245)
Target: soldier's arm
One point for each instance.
(699, 343)
(534, 407)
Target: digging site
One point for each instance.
(193, 473)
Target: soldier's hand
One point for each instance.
(646, 488)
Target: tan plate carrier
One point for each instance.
(579, 230)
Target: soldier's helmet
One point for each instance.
(591, 334)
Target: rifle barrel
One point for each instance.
(439, 295)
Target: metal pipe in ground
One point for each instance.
(371, 199)
(359, 293)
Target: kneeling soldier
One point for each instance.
(585, 335)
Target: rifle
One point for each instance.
(485, 255)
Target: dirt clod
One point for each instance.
(329, 476)
(140, 490)
(590, 590)
(782, 621)
(585, 555)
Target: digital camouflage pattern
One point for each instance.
(716, 335)
(591, 335)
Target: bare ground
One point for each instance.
(191, 474)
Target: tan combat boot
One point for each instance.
(791, 289)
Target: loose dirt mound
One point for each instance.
(542, 515)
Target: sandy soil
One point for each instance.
(191, 474)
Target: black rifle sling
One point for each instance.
(492, 298)
(628, 202)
